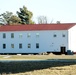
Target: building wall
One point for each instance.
(72, 39)
(46, 39)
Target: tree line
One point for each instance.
(24, 16)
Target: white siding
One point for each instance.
(46, 40)
(72, 38)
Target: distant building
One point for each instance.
(56, 38)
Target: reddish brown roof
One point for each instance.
(34, 27)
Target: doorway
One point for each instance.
(63, 50)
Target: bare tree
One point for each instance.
(42, 20)
(52, 20)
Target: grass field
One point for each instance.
(36, 57)
(38, 67)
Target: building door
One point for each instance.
(63, 50)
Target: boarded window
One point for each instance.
(12, 45)
(55, 35)
(12, 35)
(37, 34)
(20, 35)
(28, 35)
(20, 45)
(63, 35)
(4, 46)
(37, 45)
(29, 45)
(4, 35)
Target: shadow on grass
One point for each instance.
(25, 66)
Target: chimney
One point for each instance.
(58, 22)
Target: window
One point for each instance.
(28, 35)
(29, 45)
(37, 45)
(63, 35)
(20, 45)
(55, 35)
(4, 35)
(20, 35)
(37, 34)
(4, 46)
(12, 45)
(12, 35)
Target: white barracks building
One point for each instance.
(22, 39)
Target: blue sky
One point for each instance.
(56, 10)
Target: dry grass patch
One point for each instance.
(36, 57)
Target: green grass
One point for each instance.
(38, 68)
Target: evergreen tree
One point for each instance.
(25, 16)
